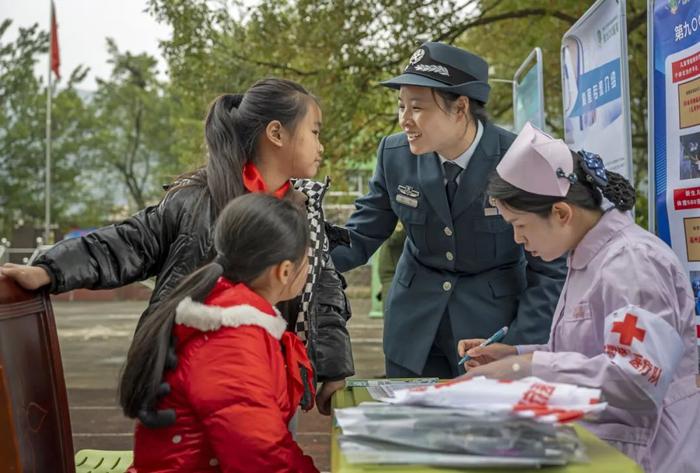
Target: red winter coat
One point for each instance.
(236, 386)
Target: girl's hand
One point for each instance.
(29, 277)
(483, 355)
(509, 368)
(324, 395)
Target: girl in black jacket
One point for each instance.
(257, 142)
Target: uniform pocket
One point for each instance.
(414, 221)
(405, 275)
(490, 234)
(577, 330)
(512, 283)
(409, 215)
(494, 224)
(580, 312)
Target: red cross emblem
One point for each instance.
(628, 330)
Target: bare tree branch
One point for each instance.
(273, 65)
(450, 36)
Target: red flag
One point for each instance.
(55, 58)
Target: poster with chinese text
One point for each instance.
(595, 85)
(674, 131)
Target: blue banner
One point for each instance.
(595, 86)
(670, 37)
(674, 141)
(598, 87)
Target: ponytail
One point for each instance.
(227, 153)
(234, 125)
(152, 351)
(252, 233)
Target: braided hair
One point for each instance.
(585, 192)
(619, 191)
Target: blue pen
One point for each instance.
(496, 337)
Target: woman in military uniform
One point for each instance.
(460, 274)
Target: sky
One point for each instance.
(83, 26)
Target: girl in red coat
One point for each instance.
(213, 374)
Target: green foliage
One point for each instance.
(342, 49)
(339, 49)
(23, 132)
(120, 134)
(131, 136)
(136, 132)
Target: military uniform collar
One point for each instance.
(463, 159)
(490, 143)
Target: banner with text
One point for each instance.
(595, 85)
(674, 131)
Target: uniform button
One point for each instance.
(447, 285)
(213, 462)
(177, 439)
(449, 256)
(448, 231)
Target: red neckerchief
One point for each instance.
(227, 294)
(253, 181)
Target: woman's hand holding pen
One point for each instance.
(508, 368)
(481, 355)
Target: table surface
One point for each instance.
(604, 458)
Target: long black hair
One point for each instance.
(252, 233)
(582, 193)
(233, 127)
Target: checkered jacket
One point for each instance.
(320, 314)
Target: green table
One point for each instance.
(604, 458)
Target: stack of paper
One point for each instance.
(384, 388)
(478, 422)
(528, 397)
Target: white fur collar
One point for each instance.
(208, 318)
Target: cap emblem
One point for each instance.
(417, 56)
(442, 70)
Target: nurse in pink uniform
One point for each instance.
(625, 320)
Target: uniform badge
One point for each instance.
(492, 210)
(409, 191)
(402, 199)
(417, 56)
(407, 196)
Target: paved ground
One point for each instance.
(94, 339)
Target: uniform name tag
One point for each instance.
(490, 211)
(405, 200)
(408, 191)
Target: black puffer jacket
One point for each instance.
(172, 239)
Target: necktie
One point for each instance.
(452, 170)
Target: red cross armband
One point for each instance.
(645, 347)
